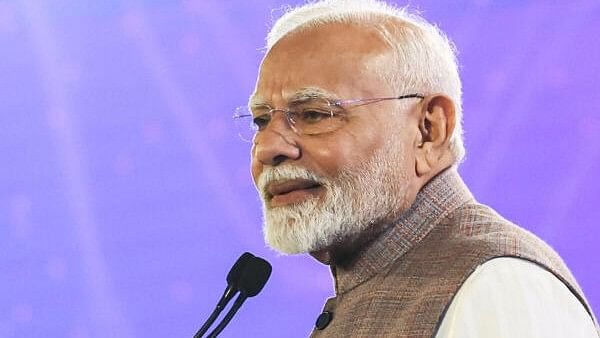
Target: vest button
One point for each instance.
(323, 320)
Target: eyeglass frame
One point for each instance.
(331, 103)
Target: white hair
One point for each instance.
(424, 58)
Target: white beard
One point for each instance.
(354, 201)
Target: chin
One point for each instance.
(285, 240)
(294, 235)
(291, 231)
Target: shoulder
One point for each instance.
(476, 229)
(510, 297)
(468, 237)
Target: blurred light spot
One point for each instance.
(57, 118)
(181, 291)
(152, 132)
(132, 24)
(22, 313)
(190, 44)
(56, 268)
(589, 127)
(20, 214)
(79, 332)
(124, 165)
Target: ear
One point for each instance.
(437, 119)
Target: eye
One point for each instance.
(260, 122)
(314, 116)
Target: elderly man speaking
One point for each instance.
(356, 130)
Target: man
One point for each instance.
(357, 136)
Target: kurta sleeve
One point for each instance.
(511, 297)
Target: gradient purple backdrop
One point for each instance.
(125, 194)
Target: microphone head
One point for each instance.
(235, 273)
(254, 277)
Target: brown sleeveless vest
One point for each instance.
(401, 284)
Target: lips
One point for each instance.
(292, 191)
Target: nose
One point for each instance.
(277, 143)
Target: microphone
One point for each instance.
(235, 273)
(233, 279)
(251, 282)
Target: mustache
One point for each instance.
(285, 173)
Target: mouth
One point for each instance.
(291, 192)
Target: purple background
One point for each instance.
(125, 194)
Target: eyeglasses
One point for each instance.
(310, 116)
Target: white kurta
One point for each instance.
(511, 298)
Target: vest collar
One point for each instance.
(438, 198)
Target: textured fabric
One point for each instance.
(509, 297)
(400, 284)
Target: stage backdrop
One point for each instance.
(125, 194)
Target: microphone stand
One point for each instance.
(230, 291)
(234, 308)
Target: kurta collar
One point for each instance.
(440, 196)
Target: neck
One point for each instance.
(343, 252)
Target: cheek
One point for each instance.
(328, 158)
(255, 170)
(347, 150)
(255, 166)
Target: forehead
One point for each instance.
(342, 60)
(303, 95)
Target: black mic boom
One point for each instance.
(253, 279)
(233, 278)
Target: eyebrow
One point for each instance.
(256, 101)
(310, 93)
(301, 96)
